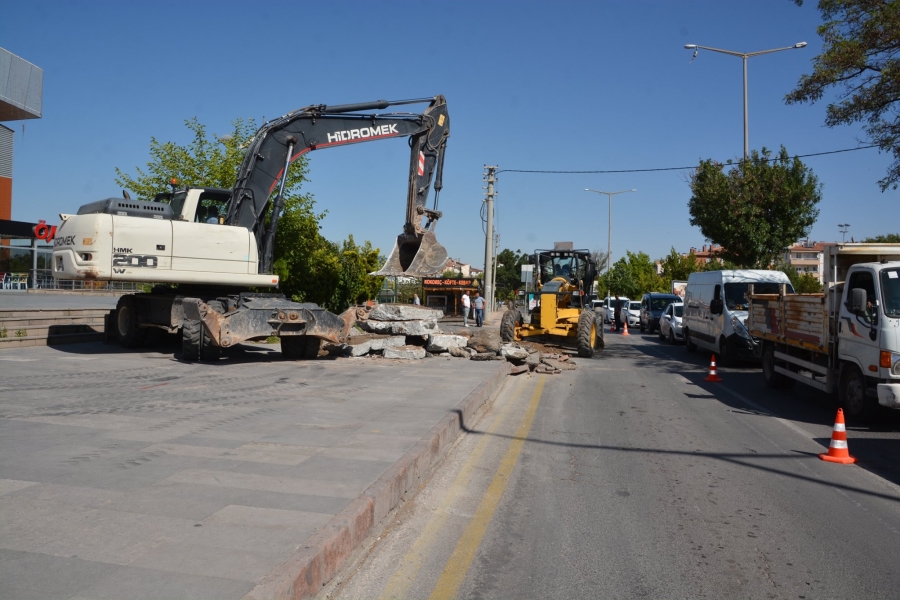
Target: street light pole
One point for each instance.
(843, 228)
(609, 196)
(744, 55)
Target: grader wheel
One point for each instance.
(508, 326)
(589, 336)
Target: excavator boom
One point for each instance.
(281, 141)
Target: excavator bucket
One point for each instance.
(415, 256)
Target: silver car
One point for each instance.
(670, 323)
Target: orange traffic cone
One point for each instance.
(712, 371)
(625, 332)
(837, 449)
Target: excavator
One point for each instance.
(206, 247)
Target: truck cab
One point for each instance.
(868, 329)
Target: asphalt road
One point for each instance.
(632, 477)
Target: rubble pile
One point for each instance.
(410, 332)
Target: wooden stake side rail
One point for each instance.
(799, 320)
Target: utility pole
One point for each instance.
(490, 178)
(494, 280)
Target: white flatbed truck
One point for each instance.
(845, 339)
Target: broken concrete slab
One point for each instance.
(485, 340)
(404, 352)
(513, 352)
(421, 328)
(375, 344)
(533, 360)
(487, 356)
(404, 312)
(518, 369)
(460, 352)
(442, 342)
(558, 364)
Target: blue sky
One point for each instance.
(529, 85)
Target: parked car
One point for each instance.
(652, 306)
(634, 313)
(670, 323)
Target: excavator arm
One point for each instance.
(281, 141)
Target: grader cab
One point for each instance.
(563, 279)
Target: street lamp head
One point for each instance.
(690, 46)
(800, 45)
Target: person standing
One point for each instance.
(617, 312)
(479, 309)
(467, 305)
(416, 299)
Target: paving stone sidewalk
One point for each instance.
(133, 475)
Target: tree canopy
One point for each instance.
(311, 268)
(860, 57)
(888, 238)
(631, 276)
(757, 209)
(509, 273)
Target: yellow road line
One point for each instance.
(402, 579)
(455, 571)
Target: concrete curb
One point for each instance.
(305, 572)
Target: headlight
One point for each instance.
(890, 360)
(740, 328)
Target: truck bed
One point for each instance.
(799, 320)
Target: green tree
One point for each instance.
(888, 238)
(631, 276)
(804, 283)
(676, 267)
(204, 162)
(861, 57)
(757, 209)
(509, 273)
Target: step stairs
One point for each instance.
(20, 328)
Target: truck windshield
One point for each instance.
(890, 287)
(736, 293)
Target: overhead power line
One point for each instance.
(670, 168)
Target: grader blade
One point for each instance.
(415, 256)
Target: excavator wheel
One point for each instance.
(129, 333)
(208, 350)
(508, 326)
(300, 347)
(191, 332)
(588, 337)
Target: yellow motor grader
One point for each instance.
(561, 305)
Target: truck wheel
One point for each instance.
(300, 347)
(128, 331)
(770, 377)
(190, 339)
(208, 350)
(852, 395)
(587, 334)
(508, 326)
(688, 344)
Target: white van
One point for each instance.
(715, 311)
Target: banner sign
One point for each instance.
(446, 283)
